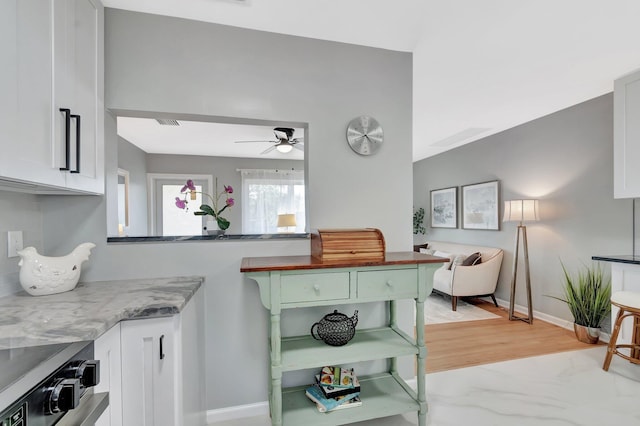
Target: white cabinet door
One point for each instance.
(626, 139)
(27, 150)
(8, 75)
(77, 87)
(149, 362)
(107, 351)
(52, 58)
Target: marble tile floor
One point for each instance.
(563, 389)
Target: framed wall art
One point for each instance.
(444, 208)
(480, 204)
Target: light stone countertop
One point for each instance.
(89, 310)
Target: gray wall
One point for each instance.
(566, 161)
(18, 212)
(134, 160)
(156, 63)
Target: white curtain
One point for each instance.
(268, 193)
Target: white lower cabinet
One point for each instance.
(162, 370)
(107, 350)
(149, 371)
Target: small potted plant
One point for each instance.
(418, 228)
(588, 296)
(219, 224)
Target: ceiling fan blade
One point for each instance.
(299, 146)
(255, 141)
(268, 150)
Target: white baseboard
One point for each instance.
(262, 408)
(238, 412)
(549, 318)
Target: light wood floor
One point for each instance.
(464, 344)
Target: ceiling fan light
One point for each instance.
(284, 147)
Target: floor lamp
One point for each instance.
(521, 211)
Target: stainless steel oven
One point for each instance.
(50, 385)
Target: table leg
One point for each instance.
(420, 370)
(393, 323)
(276, 372)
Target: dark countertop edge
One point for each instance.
(631, 259)
(187, 238)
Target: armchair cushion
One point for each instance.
(473, 259)
(445, 265)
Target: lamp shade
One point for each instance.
(286, 220)
(521, 211)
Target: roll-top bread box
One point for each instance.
(364, 244)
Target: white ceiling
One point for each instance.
(200, 138)
(480, 66)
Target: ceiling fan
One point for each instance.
(285, 141)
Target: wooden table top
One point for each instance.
(291, 263)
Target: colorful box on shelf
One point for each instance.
(364, 244)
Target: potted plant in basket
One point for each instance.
(588, 296)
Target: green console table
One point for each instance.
(303, 281)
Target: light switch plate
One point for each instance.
(14, 243)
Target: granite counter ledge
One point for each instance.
(625, 258)
(215, 238)
(89, 310)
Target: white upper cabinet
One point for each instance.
(52, 54)
(626, 136)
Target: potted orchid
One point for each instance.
(189, 190)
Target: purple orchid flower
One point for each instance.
(180, 203)
(189, 185)
(230, 202)
(228, 190)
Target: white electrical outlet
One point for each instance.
(14, 243)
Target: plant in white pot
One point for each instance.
(588, 295)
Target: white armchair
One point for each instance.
(457, 280)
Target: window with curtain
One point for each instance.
(269, 193)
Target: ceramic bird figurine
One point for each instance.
(41, 275)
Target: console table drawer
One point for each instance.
(314, 287)
(401, 283)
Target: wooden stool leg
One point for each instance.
(612, 343)
(635, 351)
(454, 303)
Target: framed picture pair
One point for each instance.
(480, 205)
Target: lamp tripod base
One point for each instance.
(512, 317)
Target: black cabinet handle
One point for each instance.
(77, 117)
(67, 136)
(161, 347)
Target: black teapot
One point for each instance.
(335, 329)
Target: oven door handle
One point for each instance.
(91, 407)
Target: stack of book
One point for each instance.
(335, 388)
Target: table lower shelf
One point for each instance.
(382, 395)
(368, 344)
